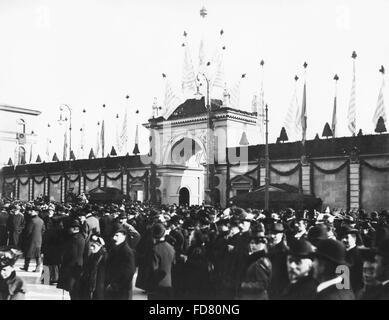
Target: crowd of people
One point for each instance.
(93, 251)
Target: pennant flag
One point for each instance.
(218, 79)
(48, 142)
(380, 109)
(304, 110)
(351, 116)
(243, 139)
(123, 137)
(10, 163)
(172, 99)
(235, 94)
(102, 136)
(55, 157)
(82, 136)
(261, 106)
(30, 160)
(98, 139)
(188, 84)
(334, 121)
(72, 155)
(65, 145)
(290, 123)
(38, 159)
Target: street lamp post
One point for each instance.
(210, 158)
(70, 124)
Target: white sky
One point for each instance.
(87, 53)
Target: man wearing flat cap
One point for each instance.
(330, 254)
(349, 237)
(302, 285)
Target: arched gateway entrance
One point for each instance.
(183, 196)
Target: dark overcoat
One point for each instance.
(33, 237)
(72, 262)
(120, 271)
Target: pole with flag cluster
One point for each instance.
(261, 105)
(188, 84)
(380, 109)
(352, 111)
(290, 123)
(304, 107)
(333, 126)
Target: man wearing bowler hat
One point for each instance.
(328, 265)
(349, 237)
(277, 255)
(299, 262)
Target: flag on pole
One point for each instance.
(188, 84)
(98, 139)
(30, 154)
(380, 109)
(48, 141)
(82, 137)
(261, 106)
(65, 146)
(102, 136)
(304, 109)
(290, 123)
(334, 121)
(351, 116)
(218, 79)
(172, 99)
(235, 93)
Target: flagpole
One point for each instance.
(267, 178)
(336, 78)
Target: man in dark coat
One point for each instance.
(120, 268)
(329, 255)
(16, 225)
(277, 255)
(93, 278)
(133, 236)
(3, 227)
(382, 259)
(72, 261)
(106, 223)
(162, 260)
(33, 240)
(348, 236)
(302, 285)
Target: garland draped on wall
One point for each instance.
(132, 179)
(330, 171)
(114, 178)
(24, 183)
(55, 181)
(285, 173)
(370, 166)
(68, 178)
(35, 179)
(92, 179)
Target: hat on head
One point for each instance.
(331, 250)
(317, 233)
(158, 230)
(345, 230)
(8, 256)
(122, 215)
(300, 248)
(277, 228)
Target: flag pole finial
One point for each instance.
(163, 75)
(305, 65)
(354, 55)
(382, 70)
(127, 97)
(296, 77)
(262, 63)
(336, 78)
(203, 12)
